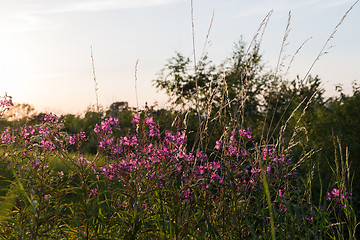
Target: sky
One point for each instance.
(45, 45)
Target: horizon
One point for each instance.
(46, 59)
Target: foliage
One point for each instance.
(146, 185)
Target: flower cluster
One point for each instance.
(236, 143)
(153, 173)
(337, 196)
(129, 155)
(78, 138)
(6, 137)
(106, 126)
(5, 104)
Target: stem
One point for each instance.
(268, 199)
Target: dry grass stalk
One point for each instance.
(322, 51)
(95, 82)
(136, 92)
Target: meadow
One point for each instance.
(145, 185)
(236, 158)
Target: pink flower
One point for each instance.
(47, 145)
(72, 139)
(335, 192)
(135, 120)
(218, 144)
(328, 196)
(97, 128)
(93, 192)
(150, 122)
(280, 192)
(6, 137)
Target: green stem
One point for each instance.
(268, 199)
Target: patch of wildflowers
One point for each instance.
(337, 196)
(48, 145)
(51, 118)
(27, 132)
(80, 137)
(5, 104)
(6, 137)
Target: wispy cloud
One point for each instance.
(101, 5)
(19, 22)
(24, 16)
(45, 6)
(264, 7)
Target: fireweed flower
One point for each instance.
(218, 144)
(6, 137)
(51, 118)
(27, 132)
(335, 192)
(154, 132)
(48, 145)
(5, 104)
(72, 139)
(150, 122)
(44, 131)
(78, 138)
(135, 120)
(93, 191)
(106, 125)
(247, 134)
(186, 196)
(97, 128)
(123, 204)
(335, 195)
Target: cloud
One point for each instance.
(96, 5)
(125, 4)
(24, 16)
(21, 23)
(263, 7)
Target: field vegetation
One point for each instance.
(243, 154)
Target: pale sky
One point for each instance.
(45, 44)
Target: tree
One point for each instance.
(182, 86)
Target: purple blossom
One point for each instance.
(247, 134)
(97, 128)
(28, 132)
(124, 204)
(72, 139)
(154, 132)
(150, 122)
(6, 102)
(48, 145)
(135, 120)
(218, 144)
(44, 131)
(335, 192)
(6, 137)
(232, 151)
(93, 191)
(51, 118)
